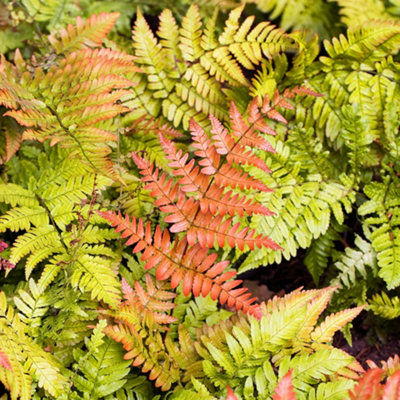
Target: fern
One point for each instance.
(358, 12)
(96, 373)
(78, 117)
(385, 306)
(25, 358)
(198, 204)
(177, 86)
(298, 14)
(44, 212)
(244, 354)
(384, 236)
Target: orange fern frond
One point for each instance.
(228, 175)
(180, 262)
(209, 229)
(230, 394)
(368, 387)
(247, 134)
(284, 390)
(234, 151)
(72, 101)
(210, 159)
(89, 33)
(191, 178)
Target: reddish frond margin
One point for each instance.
(212, 196)
(192, 266)
(247, 134)
(89, 33)
(230, 394)
(206, 150)
(368, 387)
(70, 103)
(284, 390)
(149, 358)
(391, 391)
(4, 361)
(191, 179)
(228, 175)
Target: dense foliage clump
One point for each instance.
(150, 154)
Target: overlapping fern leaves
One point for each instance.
(186, 69)
(249, 354)
(43, 211)
(203, 204)
(71, 98)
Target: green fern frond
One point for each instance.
(34, 240)
(356, 12)
(21, 218)
(95, 275)
(53, 12)
(303, 206)
(299, 14)
(100, 371)
(245, 355)
(381, 213)
(26, 358)
(319, 253)
(308, 369)
(355, 263)
(33, 305)
(385, 306)
(186, 69)
(63, 200)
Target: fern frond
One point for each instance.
(94, 274)
(35, 239)
(149, 304)
(318, 253)
(381, 213)
(300, 14)
(245, 353)
(355, 262)
(73, 101)
(26, 358)
(21, 218)
(101, 370)
(385, 306)
(356, 13)
(185, 68)
(284, 390)
(192, 266)
(16, 195)
(84, 34)
(325, 331)
(32, 306)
